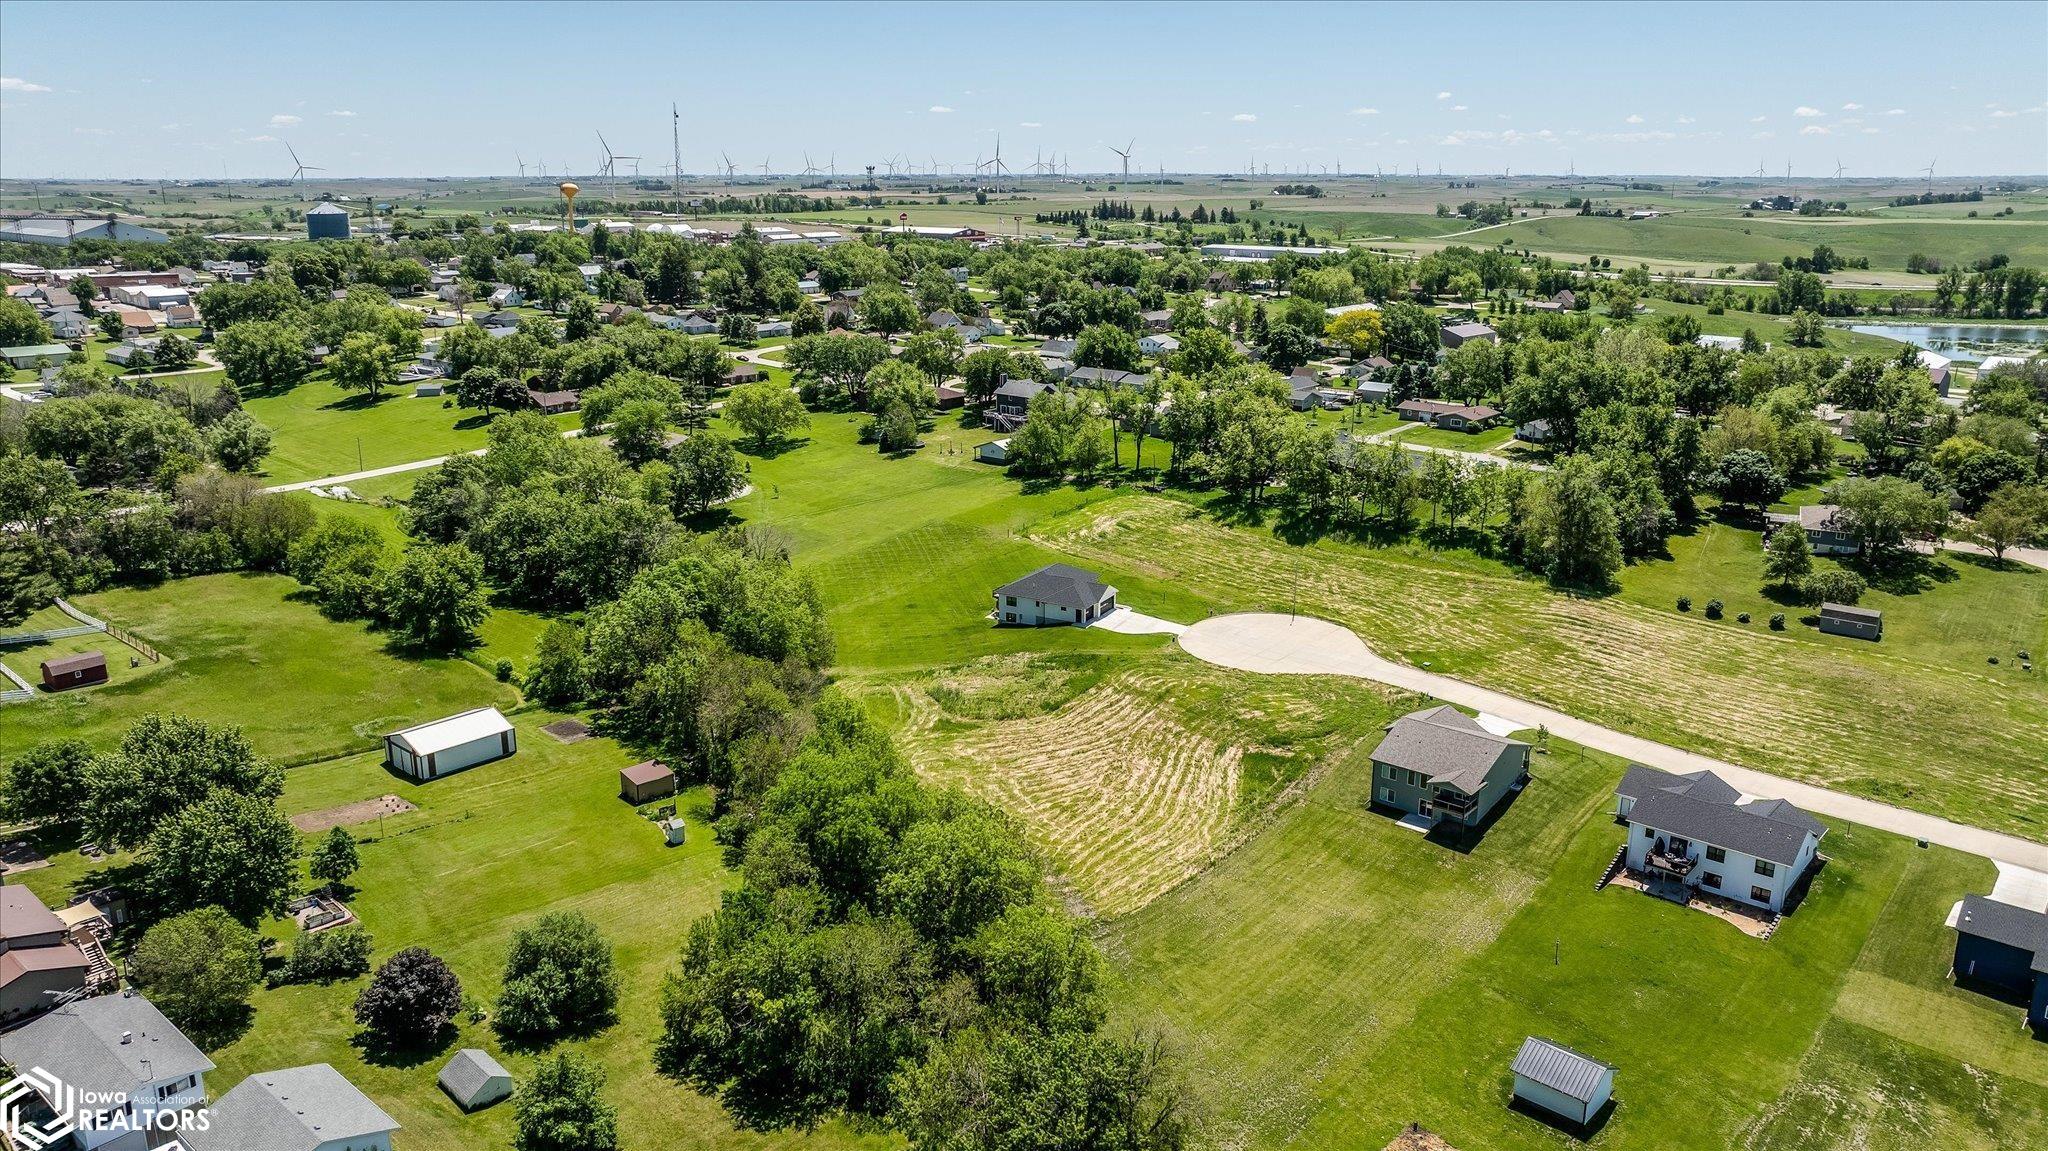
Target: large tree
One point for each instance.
(233, 850)
(767, 412)
(46, 782)
(434, 597)
(363, 363)
(1571, 526)
(164, 763)
(562, 1108)
(263, 355)
(410, 999)
(198, 968)
(559, 977)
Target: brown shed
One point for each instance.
(87, 667)
(646, 782)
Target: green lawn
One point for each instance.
(320, 429)
(1484, 441)
(1340, 976)
(238, 650)
(1716, 238)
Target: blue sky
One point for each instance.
(424, 89)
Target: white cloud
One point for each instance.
(93, 131)
(17, 84)
(1870, 131)
(283, 119)
(1814, 130)
(1365, 111)
(2002, 113)
(1806, 113)
(169, 127)
(1245, 118)
(1763, 135)
(1895, 112)
(344, 113)
(1852, 106)
(263, 139)
(1758, 119)
(1031, 124)
(1633, 119)
(941, 108)
(1457, 107)
(1685, 119)
(1443, 95)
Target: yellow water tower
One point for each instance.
(569, 191)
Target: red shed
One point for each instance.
(87, 667)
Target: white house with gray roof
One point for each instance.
(1053, 595)
(115, 1047)
(1695, 832)
(313, 1108)
(1440, 765)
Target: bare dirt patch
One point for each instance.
(349, 814)
(568, 730)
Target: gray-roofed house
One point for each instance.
(1850, 620)
(311, 1108)
(1826, 534)
(114, 1047)
(1107, 378)
(1009, 406)
(1453, 335)
(1439, 764)
(1447, 414)
(1693, 832)
(2004, 946)
(475, 1080)
(1053, 595)
(1559, 1080)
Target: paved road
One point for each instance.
(1300, 645)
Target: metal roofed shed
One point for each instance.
(1556, 1079)
(435, 749)
(1852, 621)
(646, 782)
(475, 1080)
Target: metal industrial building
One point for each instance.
(327, 222)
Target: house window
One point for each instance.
(1759, 894)
(1388, 770)
(1709, 879)
(1716, 855)
(1649, 833)
(1766, 867)
(1414, 780)
(1009, 601)
(1386, 795)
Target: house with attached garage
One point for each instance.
(312, 1108)
(1827, 534)
(1694, 832)
(2003, 946)
(432, 750)
(1442, 766)
(1053, 595)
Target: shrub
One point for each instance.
(1742, 618)
(1713, 609)
(1685, 603)
(559, 976)
(1778, 621)
(327, 956)
(410, 999)
(503, 671)
(1834, 586)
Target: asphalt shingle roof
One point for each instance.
(1445, 745)
(1060, 585)
(1559, 1068)
(2019, 927)
(81, 1045)
(297, 1109)
(468, 1073)
(1770, 829)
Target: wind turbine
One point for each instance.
(611, 166)
(729, 168)
(522, 165)
(1759, 168)
(1930, 176)
(810, 169)
(764, 166)
(1838, 168)
(1125, 152)
(300, 167)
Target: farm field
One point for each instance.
(1295, 1003)
(1795, 703)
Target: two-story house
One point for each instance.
(1440, 765)
(119, 1053)
(1695, 833)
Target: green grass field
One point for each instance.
(1481, 441)
(319, 429)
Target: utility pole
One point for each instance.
(676, 143)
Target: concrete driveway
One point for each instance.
(1298, 645)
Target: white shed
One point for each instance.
(473, 1079)
(435, 749)
(1555, 1078)
(994, 452)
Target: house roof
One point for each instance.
(297, 1109)
(80, 1044)
(1060, 585)
(1056, 348)
(650, 771)
(1108, 376)
(1021, 389)
(22, 914)
(1445, 745)
(1468, 331)
(1848, 611)
(327, 210)
(1560, 1068)
(19, 961)
(454, 731)
(1771, 829)
(1821, 518)
(2020, 927)
(1640, 780)
(470, 1071)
